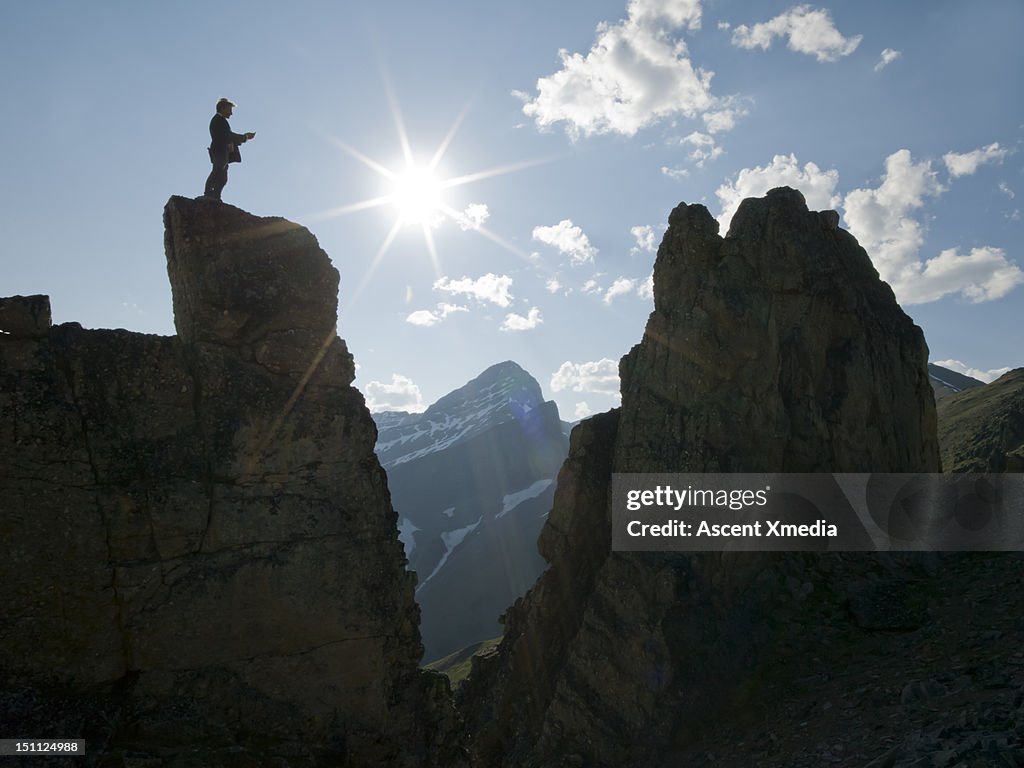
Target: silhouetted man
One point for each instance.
(223, 148)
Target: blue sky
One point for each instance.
(569, 131)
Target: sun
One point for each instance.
(416, 194)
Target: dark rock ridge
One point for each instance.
(201, 565)
(472, 479)
(946, 382)
(982, 429)
(776, 348)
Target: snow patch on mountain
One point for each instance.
(513, 500)
(953, 387)
(458, 416)
(451, 540)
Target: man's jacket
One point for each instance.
(224, 143)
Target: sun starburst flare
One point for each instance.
(416, 192)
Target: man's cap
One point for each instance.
(227, 102)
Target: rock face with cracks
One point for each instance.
(775, 348)
(201, 554)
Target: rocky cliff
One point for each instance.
(201, 564)
(775, 348)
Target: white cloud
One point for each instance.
(490, 287)
(645, 239)
(883, 220)
(888, 57)
(984, 274)
(809, 30)
(724, 25)
(1005, 189)
(675, 173)
(634, 74)
(646, 288)
(427, 318)
(677, 13)
(975, 373)
(817, 186)
(447, 309)
(620, 287)
(721, 120)
(598, 376)
(402, 394)
(514, 322)
(568, 239)
(723, 117)
(967, 163)
(423, 317)
(582, 410)
(704, 148)
(474, 216)
(698, 139)
(552, 285)
(591, 286)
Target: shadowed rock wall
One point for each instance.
(776, 348)
(202, 547)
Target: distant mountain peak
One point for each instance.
(504, 368)
(946, 382)
(472, 479)
(503, 392)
